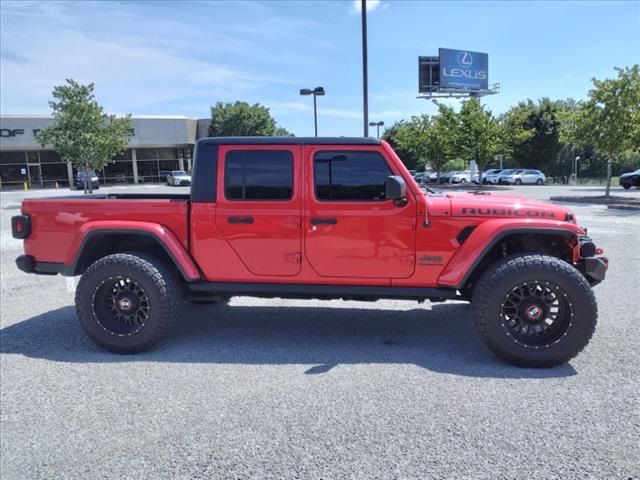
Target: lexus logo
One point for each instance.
(465, 59)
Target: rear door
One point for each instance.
(351, 229)
(259, 206)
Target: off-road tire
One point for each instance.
(489, 299)
(160, 285)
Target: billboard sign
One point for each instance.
(464, 70)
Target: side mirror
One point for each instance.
(396, 190)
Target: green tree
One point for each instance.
(81, 132)
(240, 119)
(609, 118)
(442, 138)
(393, 134)
(479, 136)
(412, 137)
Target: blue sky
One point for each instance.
(166, 58)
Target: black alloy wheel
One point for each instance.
(536, 314)
(121, 306)
(126, 302)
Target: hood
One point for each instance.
(504, 206)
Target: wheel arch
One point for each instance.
(100, 241)
(468, 263)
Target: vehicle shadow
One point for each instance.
(441, 340)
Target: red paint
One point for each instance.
(371, 243)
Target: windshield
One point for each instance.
(180, 174)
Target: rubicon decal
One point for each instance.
(507, 212)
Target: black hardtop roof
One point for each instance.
(290, 141)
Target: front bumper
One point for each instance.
(594, 269)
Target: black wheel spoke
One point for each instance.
(536, 314)
(121, 306)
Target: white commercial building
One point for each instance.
(158, 144)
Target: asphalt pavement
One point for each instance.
(317, 389)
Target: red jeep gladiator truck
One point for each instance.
(318, 218)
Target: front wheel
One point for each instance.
(518, 181)
(127, 302)
(534, 310)
(539, 181)
(626, 186)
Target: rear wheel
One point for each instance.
(518, 181)
(127, 302)
(534, 310)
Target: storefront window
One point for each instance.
(53, 173)
(12, 157)
(49, 156)
(146, 154)
(148, 171)
(13, 175)
(119, 172)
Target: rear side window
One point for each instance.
(258, 175)
(350, 176)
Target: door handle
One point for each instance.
(240, 219)
(324, 221)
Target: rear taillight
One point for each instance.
(21, 226)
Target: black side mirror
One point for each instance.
(396, 190)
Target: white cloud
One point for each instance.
(356, 5)
(135, 69)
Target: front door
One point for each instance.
(351, 229)
(259, 206)
(35, 176)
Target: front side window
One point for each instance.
(258, 175)
(350, 176)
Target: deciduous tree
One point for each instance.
(609, 118)
(81, 132)
(240, 119)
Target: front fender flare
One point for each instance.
(488, 234)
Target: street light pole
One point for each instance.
(378, 125)
(575, 167)
(365, 79)
(315, 92)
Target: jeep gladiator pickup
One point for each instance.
(318, 218)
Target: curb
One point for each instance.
(624, 207)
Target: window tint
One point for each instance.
(259, 175)
(358, 176)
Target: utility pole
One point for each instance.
(365, 80)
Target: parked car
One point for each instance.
(460, 176)
(362, 232)
(164, 174)
(490, 177)
(79, 180)
(631, 179)
(445, 177)
(522, 177)
(178, 178)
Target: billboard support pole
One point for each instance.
(365, 80)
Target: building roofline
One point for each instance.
(133, 117)
(290, 141)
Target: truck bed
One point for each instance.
(57, 222)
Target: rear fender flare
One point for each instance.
(487, 235)
(161, 234)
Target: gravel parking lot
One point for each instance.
(317, 389)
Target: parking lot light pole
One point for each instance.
(315, 92)
(575, 167)
(365, 75)
(378, 125)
